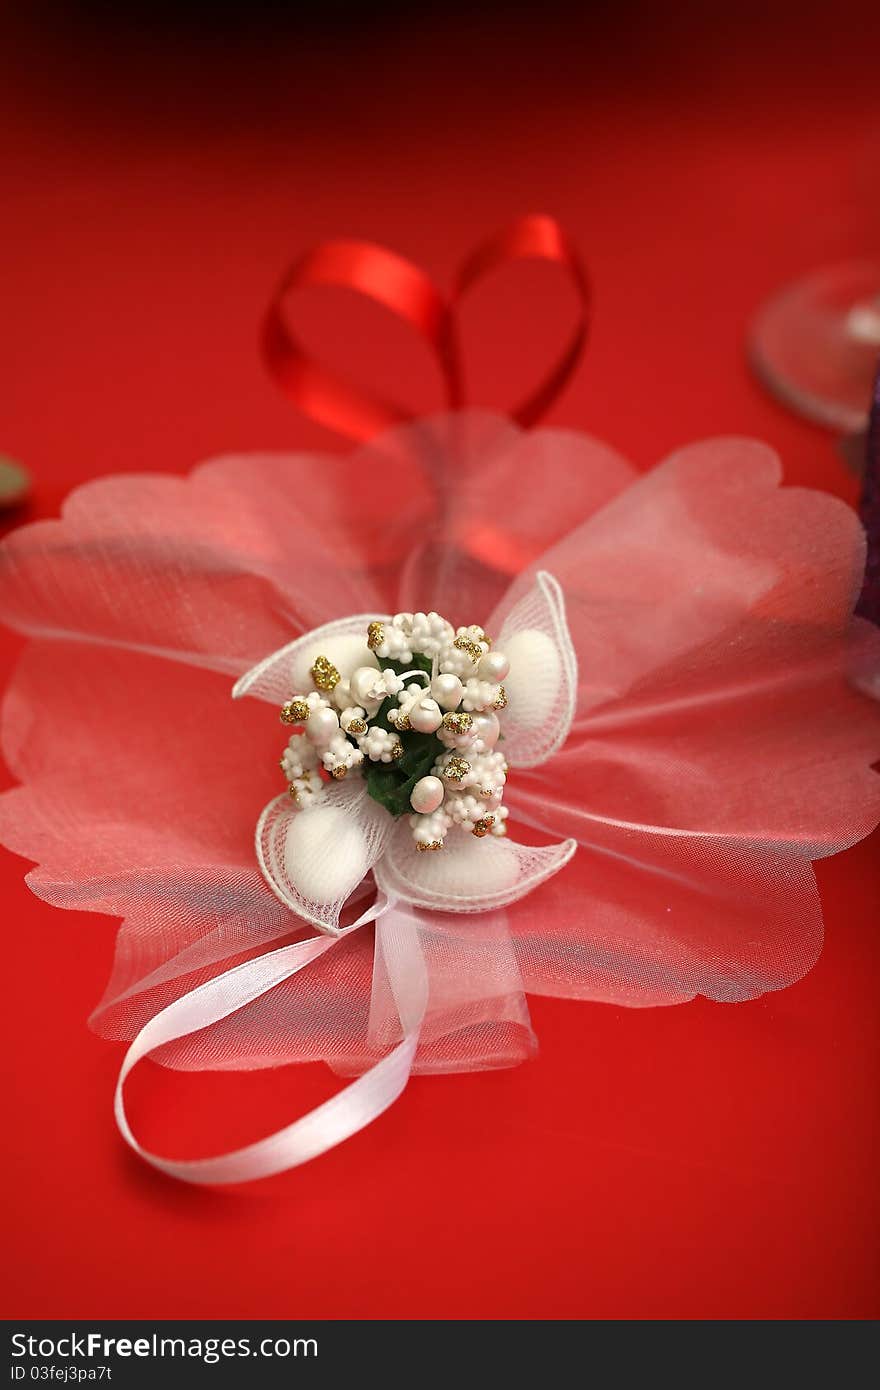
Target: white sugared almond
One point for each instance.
(535, 675)
(346, 653)
(325, 854)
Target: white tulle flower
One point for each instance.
(722, 743)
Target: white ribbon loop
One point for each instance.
(336, 1119)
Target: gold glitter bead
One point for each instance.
(423, 848)
(467, 644)
(339, 772)
(355, 726)
(457, 722)
(482, 827)
(325, 674)
(403, 724)
(375, 635)
(397, 752)
(456, 769)
(500, 699)
(295, 711)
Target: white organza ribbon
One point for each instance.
(336, 1119)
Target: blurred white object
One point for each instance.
(816, 344)
(15, 482)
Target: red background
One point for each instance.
(700, 1161)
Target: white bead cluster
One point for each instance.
(299, 763)
(456, 702)
(379, 745)
(338, 738)
(467, 785)
(407, 633)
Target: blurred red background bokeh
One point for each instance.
(159, 170)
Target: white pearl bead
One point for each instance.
(493, 667)
(426, 795)
(426, 716)
(487, 728)
(447, 691)
(362, 683)
(321, 725)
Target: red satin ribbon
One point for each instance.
(405, 290)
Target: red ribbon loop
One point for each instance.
(406, 291)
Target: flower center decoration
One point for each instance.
(421, 728)
(402, 733)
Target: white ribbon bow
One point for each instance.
(338, 1118)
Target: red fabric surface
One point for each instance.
(701, 1161)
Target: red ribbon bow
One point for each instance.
(403, 288)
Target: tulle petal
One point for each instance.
(219, 568)
(468, 874)
(705, 556)
(778, 751)
(142, 783)
(710, 611)
(501, 498)
(216, 569)
(646, 917)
